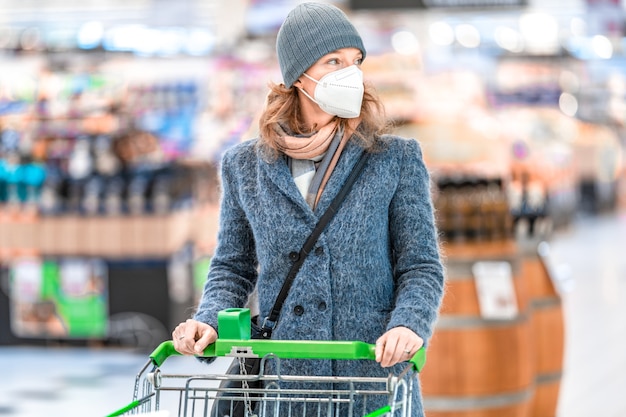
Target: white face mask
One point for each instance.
(340, 92)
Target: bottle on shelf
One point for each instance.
(161, 199)
(471, 209)
(136, 195)
(113, 196)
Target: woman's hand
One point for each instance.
(397, 345)
(192, 337)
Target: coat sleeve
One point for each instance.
(418, 272)
(233, 273)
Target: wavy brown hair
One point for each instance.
(283, 107)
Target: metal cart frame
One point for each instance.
(279, 395)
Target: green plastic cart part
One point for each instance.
(380, 412)
(234, 340)
(122, 410)
(131, 406)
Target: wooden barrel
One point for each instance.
(547, 327)
(479, 367)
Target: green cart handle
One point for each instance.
(234, 340)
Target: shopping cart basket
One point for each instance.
(279, 395)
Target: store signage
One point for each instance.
(547, 95)
(472, 3)
(605, 17)
(428, 4)
(496, 292)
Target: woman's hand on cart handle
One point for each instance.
(192, 337)
(397, 345)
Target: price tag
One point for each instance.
(496, 292)
(27, 280)
(75, 275)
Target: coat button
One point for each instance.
(319, 251)
(321, 306)
(298, 310)
(294, 256)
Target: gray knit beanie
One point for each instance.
(310, 31)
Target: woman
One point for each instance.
(375, 274)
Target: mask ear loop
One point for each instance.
(307, 94)
(310, 78)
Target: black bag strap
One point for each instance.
(269, 322)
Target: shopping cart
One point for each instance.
(278, 395)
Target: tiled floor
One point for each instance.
(589, 260)
(70, 382)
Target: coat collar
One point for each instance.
(278, 173)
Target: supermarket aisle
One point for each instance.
(590, 258)
(590, 262)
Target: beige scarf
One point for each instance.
(313, 146)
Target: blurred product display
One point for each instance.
(93, 173)
(547, 323)
(111, 132)
(480, 363)
(473, 209)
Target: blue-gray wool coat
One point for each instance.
(375, 267)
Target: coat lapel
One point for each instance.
(349, 157)
(278, 173)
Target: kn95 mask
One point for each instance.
(339, 93)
